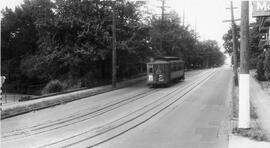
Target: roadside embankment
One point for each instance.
(50, 100)
(261, 101)
(258, 135)
(10, 110)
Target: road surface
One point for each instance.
(189, 114)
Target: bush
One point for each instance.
(267, 65)
(89, 80)
(255, 133)
(253, 62)
(260, 70)
(72, 83)
(25, 98)
(52, 87)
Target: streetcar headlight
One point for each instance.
(150, 77)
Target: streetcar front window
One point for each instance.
(151, 70)
(160, 69)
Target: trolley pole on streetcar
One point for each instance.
(113, 49)
(244, 97)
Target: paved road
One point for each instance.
(192, 113)
(200, 120)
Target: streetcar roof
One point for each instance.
(167, 58)
(165, 62)
(158, 62)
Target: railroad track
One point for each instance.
(63, 122)
(83, 115)
(126, 123)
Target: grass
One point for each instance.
(235, 95)
(266, 86)
(255, 132)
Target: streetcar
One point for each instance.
(164, 70)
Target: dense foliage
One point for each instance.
(258, 57)
(168, 37)
(260, 69)
(53, 87)
(228, 43)
(267, 65)
(71, 41)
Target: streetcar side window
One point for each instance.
(173, 67)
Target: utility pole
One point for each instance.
(162, 10)
(195, 28)
(235, 65)
(163, 7)
(113, 49)
(234, 56)
(244, 104)
(183, 18)
(162, 22)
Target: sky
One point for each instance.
(204, 16)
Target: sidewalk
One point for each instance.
(261, 101)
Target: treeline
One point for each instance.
(71, 41)
(259, 56)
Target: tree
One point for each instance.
(260, 68)
(254, 39)
(267, 65)
(210, 54)
(20, 35)
(255, 51)
(169, 38)
(228, 44)
(70, 40)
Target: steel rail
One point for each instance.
(96, 130)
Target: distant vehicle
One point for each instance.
(164, 70)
